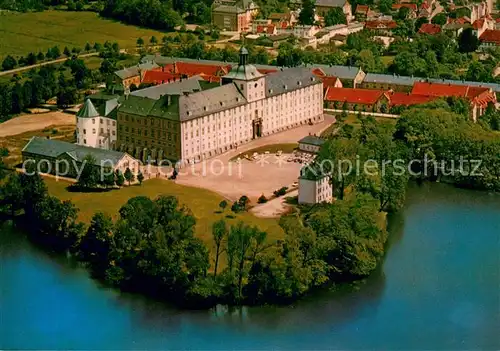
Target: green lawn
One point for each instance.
(203, 203)
(273, 148)
(22, 33)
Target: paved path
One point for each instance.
(273, 208)
(26, 68)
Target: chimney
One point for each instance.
(185, 93)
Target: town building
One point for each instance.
(96, 121)
(311, 143)
(323, 6)
(234, 15)
(314, 186)
(350, 76)
(381, 27)
(133, 75)
(194, 125)
(65, 159)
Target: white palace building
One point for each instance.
(192, 124)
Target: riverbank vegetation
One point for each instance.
(152, 242)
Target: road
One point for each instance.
(27, 68)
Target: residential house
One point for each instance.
(430, 29)
(479, 26)
(314, 186)
(454, 29)
(490, 38)
(323, 6)
(361, 12)
(381, 27)
(311, 143)
(65, 159)
(269, 29)
(412, 9)
(234, 15)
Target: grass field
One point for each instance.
(22, 33)
(203, 203)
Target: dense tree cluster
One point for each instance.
(151, 13)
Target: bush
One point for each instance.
(262, 199)
(280, 192)
(235, 207)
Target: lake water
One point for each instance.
(439, 288)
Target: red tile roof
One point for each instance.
(353, 95)
(491, 36)
(284, 25)
(430, 28)
(269, 29)
(318, 72)
(438, 89)
(407, 99)
(362, 9)
(330, 82)
(209, 78)
(381, 24)
(266, 70)
(477, 95)
(156, 77)
(460, 20)
(409, 6)
(192, 69)
(479, 23)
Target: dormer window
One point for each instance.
(270, 91)
(189, 113)
(284, 87)
(299, 83)
(204, 108)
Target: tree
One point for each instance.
(243, 202)
(129, 176)
(219, 233)
(31, 59)
(223, 205)
(140, 177)
(89, 177)
(109, 178)
(262, 199)
(40, 56)
(335, 16)
(419, 22)
(88, 47)
(403, 13)
(385, 6)
(120, 179)
(66, 52)
(440, 19)
(468, 41)
(95, 247)
(306, 15)
(140, 42)
(9, 63)
(153, 41)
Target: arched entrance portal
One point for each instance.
(257, 128)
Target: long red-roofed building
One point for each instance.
(479, 97)
(490, 38)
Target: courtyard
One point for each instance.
(253, 178)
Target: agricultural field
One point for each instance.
(22, 33)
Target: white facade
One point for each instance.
(98, 132)
(309, 147)
(313, 191)
(215, 133)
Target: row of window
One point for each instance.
(102, 121)
(94, 131)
